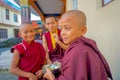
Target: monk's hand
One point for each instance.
(32, 76)
(39, 74)
(49, 75)
(55, 36)
(57, 62)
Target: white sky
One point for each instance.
(12, 1)
(33, 17)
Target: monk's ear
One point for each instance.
(84, 30)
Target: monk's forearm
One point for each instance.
(62, 45)
(19, 72)
(48, 59)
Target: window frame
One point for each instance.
(104, 4)
(3, 33)
(15, 17)
(75, 4)
(7, 14)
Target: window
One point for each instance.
(7, 14)
(16, 32)
(3, 33)
(15, 18)
(75, 4)
(105, 2)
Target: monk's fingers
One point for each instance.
(48, 71)
(45, 76)
(55, 35)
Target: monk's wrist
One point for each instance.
(57, 41)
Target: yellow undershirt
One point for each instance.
(52, 38)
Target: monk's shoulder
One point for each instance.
(19, 47)
(80, 49)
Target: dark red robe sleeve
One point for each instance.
(82, 63)
(19, 48)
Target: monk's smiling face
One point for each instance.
(27, 32)
(51, 24)
(72, 27)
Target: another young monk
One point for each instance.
(52, 41)
(28, 56)
(82, 59)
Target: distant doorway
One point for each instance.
(16, 32)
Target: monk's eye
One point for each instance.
(52, 23)
(25, 32)
(31, 31)
(47, 23)
(67, 28)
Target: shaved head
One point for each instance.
(76, 15)
(24, 25)
(73, 25)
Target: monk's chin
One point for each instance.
(66, 42)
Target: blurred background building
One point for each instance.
(9, 20)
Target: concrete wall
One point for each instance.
(103, 25)
(0, 14)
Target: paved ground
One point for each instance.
(5, 60)
(5, 75)
(3, 49)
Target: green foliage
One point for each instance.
(10, 42)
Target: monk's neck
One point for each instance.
(55, 31)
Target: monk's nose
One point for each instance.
(63, 32)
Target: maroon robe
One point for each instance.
(32, 57)
(83, 61)
(57, 53)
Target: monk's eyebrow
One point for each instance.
(67, 25)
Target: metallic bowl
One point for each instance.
(52, 67)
